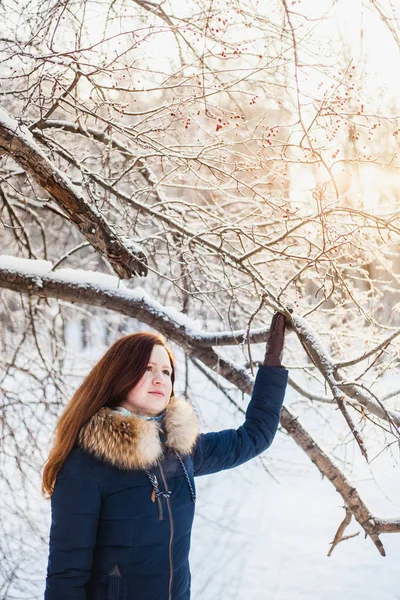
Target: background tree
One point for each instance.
(238, 158)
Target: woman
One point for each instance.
(121, 472)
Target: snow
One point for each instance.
(43, 268)
(256, 536)
(26, 136)
(25, 265)
(314, 342)
(102, 282)
(109, 283)
(12, 124)
(129, 243)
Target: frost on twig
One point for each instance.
(126, 257)
(339, 387)
(324, 363)
(95, 289)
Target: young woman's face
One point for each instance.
(151, 394)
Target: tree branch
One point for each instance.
(339, 537)
(324, 362)
(107, 292)
(125, 257)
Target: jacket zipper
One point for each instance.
(160, 509)
(171, 537)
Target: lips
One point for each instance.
(157, 393)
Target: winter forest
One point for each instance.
(190, 167)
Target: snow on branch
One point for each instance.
(197, 238)
(95, 289)
(78, 285)
(107, 291)
(339, 386)
(310, 341)
(127, 259)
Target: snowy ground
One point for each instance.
(271, 542)
(265, 536)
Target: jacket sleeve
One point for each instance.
(230, 448)
(75, 510)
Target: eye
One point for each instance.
(166, 372)
(148, 368)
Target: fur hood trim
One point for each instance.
(128, 442)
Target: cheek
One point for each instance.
(139, 385)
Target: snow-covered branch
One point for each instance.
(381, 346)
(326, 365)
(96, 289)
(197, 238)
(124, 255)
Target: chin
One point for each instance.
(155, 410)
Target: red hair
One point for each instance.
(107, 384)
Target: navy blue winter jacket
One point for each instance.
(123, 502)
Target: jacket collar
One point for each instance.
(128, 442)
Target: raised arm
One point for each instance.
(230, 448)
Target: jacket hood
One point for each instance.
(128, 442)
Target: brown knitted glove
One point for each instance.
(274, 348)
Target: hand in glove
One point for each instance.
(274, 348)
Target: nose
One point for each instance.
(157, 377)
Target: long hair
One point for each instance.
(107, 384)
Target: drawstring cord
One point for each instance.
(156, 490)
(154, 482)
(192, 493)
